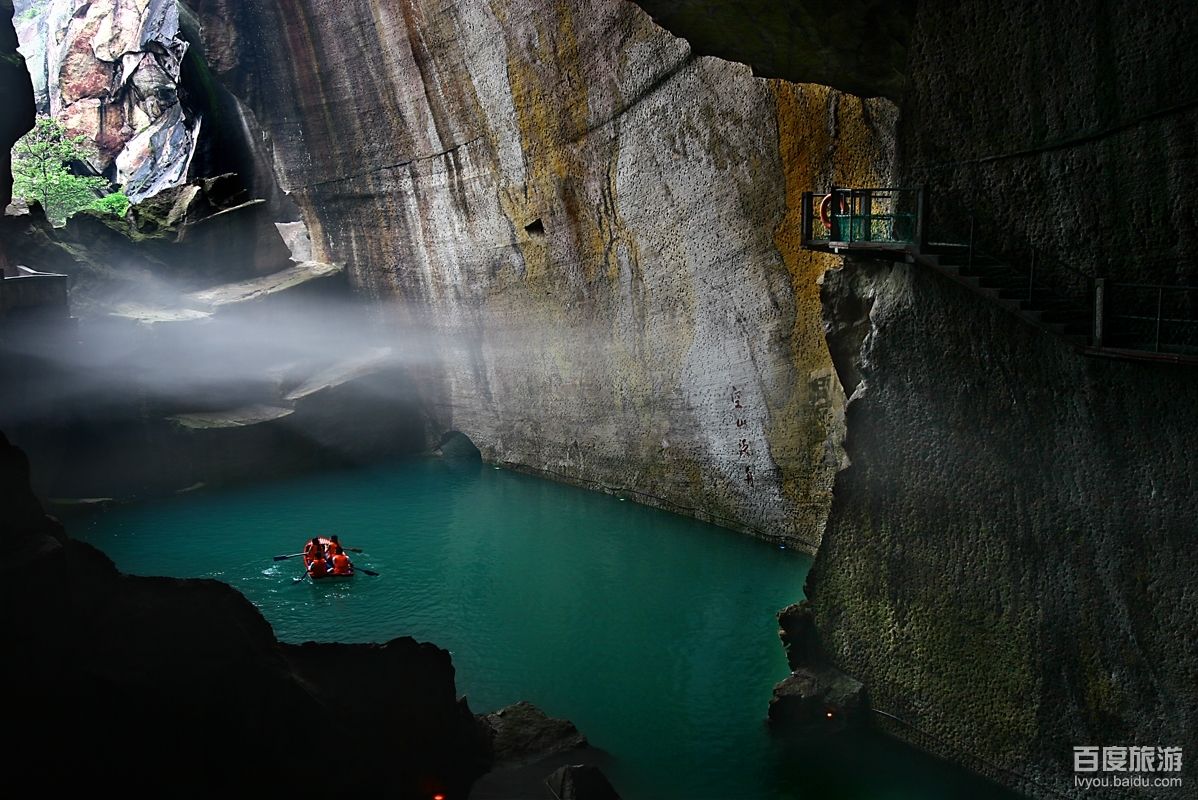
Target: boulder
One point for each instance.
(522, 733)
(111, 72)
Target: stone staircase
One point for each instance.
(1043, 307)
(1095, 316)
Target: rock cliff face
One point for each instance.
(1008, 565)
(603, 225)
(110, 71)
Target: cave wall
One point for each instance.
(1068, 127)
(1008, 564)
(1009, 561)
(603, 224)
(857, 46)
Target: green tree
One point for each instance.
(115, 204)
(41, 172)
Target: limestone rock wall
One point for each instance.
(1009, 561)
(603, 225)
(1067, 127)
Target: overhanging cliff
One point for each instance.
(602, 225)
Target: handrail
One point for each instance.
(888, 216)
(1050, 294)
(1165, 286)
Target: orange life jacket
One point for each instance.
(317, 568)
(341, 565)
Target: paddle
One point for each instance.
(289, 555)
(367, 571)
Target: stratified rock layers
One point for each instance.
(603, 225)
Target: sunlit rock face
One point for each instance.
(606, 224)
(110, 70)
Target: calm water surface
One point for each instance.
(655, 634)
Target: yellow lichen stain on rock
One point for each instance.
(585, 263)
(550, 99)
(814, 154)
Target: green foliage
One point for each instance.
(35, 8)
(115, 204)
(40, 170)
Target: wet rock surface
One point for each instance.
(816, 698)
(522, 733)
(580, 782)
(538, 757)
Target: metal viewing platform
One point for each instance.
(1096, 316)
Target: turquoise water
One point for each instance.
(654, 633)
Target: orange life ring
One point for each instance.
(825, 208)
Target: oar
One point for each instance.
(367, 571)
(289, 555)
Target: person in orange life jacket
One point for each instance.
(318, 568)
(341, 563)
(314, 550)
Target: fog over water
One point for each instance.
(184, 357)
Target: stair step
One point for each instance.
(1065, 314)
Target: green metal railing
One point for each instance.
(882, 216)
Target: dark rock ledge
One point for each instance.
(816, 697)
(178, 687)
